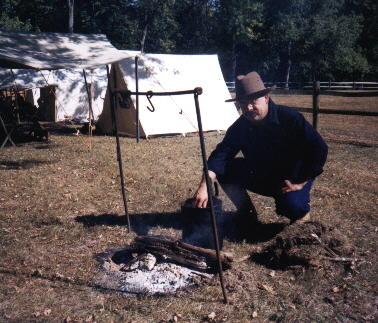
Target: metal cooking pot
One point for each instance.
(197, 227)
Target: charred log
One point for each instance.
(180, 252)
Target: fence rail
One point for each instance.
(316, 110)
(316, 89)
(330, 85)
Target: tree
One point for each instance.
(43, 15)
(115, 18)
(197, 26)
(283, 40)
(70, 15)
(240, 23)
(319, 38)
(331, 40)
(286, 24)
(132, 24)
(368, 39)
(156, 24)
(9, 20)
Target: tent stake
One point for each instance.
(113, 107)
(197, 92)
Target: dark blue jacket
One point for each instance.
(282, 146)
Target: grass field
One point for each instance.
(60, 205)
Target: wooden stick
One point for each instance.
(180, 252)
(328, 249)
(341, 259)
(225, 256)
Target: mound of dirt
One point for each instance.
(306, 245)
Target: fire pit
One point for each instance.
(158, 265)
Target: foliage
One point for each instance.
(297, 39)
(9, 19)
(239, 24)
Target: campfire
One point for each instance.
(159, 265)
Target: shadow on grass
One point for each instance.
(47, 145)
(21, 164)
(141, 223)
(251, 232)
(277, 260)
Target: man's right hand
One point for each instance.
(201, 197)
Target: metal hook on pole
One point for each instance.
(149, 96)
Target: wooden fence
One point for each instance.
(330, 85)
(316, 110)
(319, 88)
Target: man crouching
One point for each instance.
(283, 154)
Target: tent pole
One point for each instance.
(197, 92)
(113, 107)
(15, 91)
(89, 94)
(137, 99)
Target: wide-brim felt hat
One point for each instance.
(250, 87)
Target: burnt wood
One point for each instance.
(182, 253)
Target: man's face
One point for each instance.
(255, 109)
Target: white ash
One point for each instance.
(143, 275)
(143, 262)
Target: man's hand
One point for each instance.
(290, 187)
(201, 197)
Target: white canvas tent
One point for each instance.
(71, 97)
(173, 114)
(58, 60)
(22, 79)
(71, 92)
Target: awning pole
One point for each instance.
(113, 107)
(89, 94)
(197, 92)
(15, 91)
(137, 99)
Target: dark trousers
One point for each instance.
(238, 178)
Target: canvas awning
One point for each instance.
(56, 50)
(23, 79)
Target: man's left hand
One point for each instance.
(291, 187)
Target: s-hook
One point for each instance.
(149, 96)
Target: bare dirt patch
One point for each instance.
(58, 213)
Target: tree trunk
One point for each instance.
(233, 58)
(142, 42)
(70, 15)
(287, 76)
